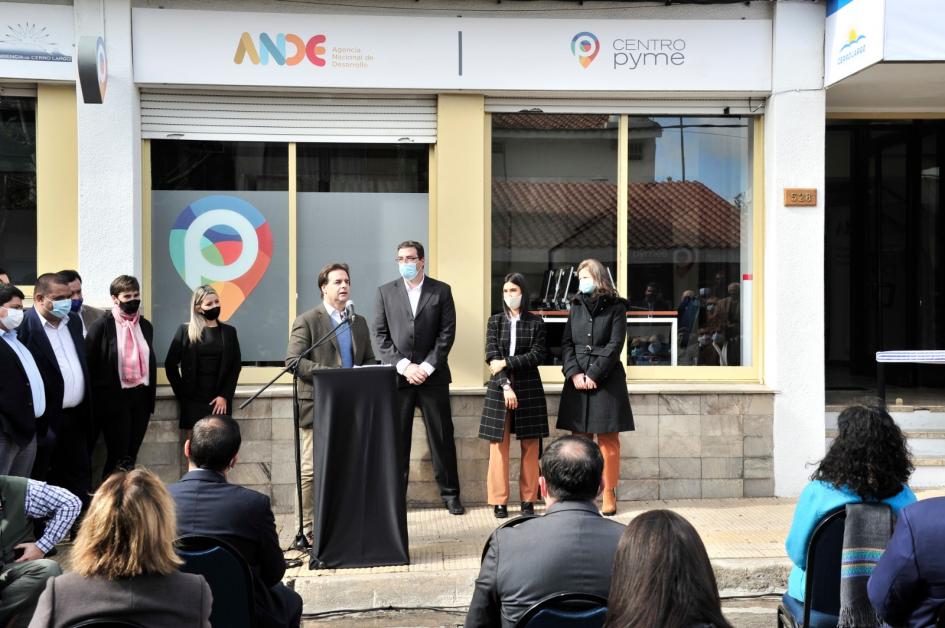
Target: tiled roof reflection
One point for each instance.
(663, 215)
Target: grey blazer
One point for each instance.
(308, 327)
(178, 600)
(425, 337)
(571, 548)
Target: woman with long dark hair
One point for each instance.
(515, 398)
(662, 577)
(203, 362)
(867, 462)
(595, 398)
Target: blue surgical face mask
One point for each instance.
(76, 305)
(587, 285)
(408, 271)
(61, 308)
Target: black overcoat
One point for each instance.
(593, 338)
(531, 416)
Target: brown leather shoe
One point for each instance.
(609, 508)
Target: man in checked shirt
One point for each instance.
(23, 570)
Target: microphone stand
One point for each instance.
(300, 542)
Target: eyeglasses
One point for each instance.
(406, 260)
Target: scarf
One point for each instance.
(133, 351)
(865, 534)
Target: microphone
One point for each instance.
(349, 311)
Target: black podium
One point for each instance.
(360, 498)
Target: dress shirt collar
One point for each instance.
(573, 504)
(204, 475)
(332, 312)
(63, 323)
(418, 286)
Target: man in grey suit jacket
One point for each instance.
(414, 327)
(570, 549)
(349, 347)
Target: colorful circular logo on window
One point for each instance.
(225, 242)
(585, 47)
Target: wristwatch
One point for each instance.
(506, 386)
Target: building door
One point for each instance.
(885, 278)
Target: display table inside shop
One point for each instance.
(360, 496)
(642, 326)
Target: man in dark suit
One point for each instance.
(207, 504)
(55, 340)
(907, 587)
(571, 548)
(22, 393)
(414, 327)
(350, 346)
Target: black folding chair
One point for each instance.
(228, 574)
(106, 623)
(821, 606)
(563, 610)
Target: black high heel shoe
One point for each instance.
(528, 508)
(501, 511)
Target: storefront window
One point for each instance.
(689, 241)
(18, 188)
(554, 203)
(220, 216)
(356, 202)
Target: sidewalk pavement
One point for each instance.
(744, 539)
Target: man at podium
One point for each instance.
(351, 346)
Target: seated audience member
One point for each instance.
(867, 462)
(124, 563)
(907, 587)
(662, 576)
(24, 571)
(22, 391)
(570, 549)
(207, 504)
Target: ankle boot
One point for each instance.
(609, 507)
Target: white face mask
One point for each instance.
(13, 318)
(513, 303)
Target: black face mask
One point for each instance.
(130, 307)
(212, 314)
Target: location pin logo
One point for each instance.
(585, 47)
(225, 242)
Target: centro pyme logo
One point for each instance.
(585, 47)
(223, 241)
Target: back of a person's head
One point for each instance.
(662, 576)
(214, 441)
(869, 455)
(572, 467)
(129, 529)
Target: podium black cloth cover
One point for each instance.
(360, 517)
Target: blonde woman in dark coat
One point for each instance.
(595, 398)
(515, 398)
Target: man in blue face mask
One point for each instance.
(54, 338)
(414, 328)
(85, 313)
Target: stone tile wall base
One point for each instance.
(684, 446)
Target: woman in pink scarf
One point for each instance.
(123, 370)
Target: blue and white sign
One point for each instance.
(854, 38)
(37, 41)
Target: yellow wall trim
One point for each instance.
(57, 179)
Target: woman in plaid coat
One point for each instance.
(515, 398)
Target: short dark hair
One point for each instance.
(412, 244)
(323, 274)
(214, 441)
(572, 467)
(45, 282)
(123, 283)
(71, 275)
(3, 271)
(8, 291)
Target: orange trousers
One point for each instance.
(609, 444)
(497, 479)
